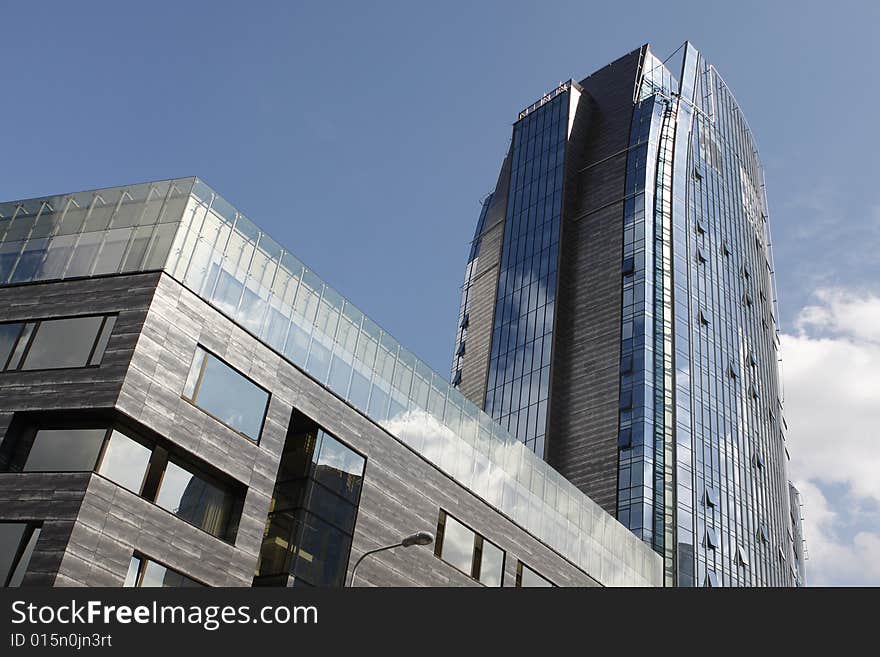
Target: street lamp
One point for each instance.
(419, 538)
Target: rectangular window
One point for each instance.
(226, 394)
(50, 344)
(65, 450)
(463, 548)
(144, 468)
(195, 499)
(17, 543)
(307, 539)
(144, 572)
(528, 578)
(125, 461)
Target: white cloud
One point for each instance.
(832, 398)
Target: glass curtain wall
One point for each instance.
(702, 460)
(518, 387)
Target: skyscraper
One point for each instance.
(618, 314)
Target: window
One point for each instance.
(65, 450)
(464, 549)
(712, 579)
(307, 539)
(626, 399)
(108, 452)
(624, 439)
(460, 351)
(457, 378)
(711, 496)
(226, 394)
(170, 481)
(711, 538)
(195, 499)
(17, 542)
(742, 556)
(125, 461)
(144, 572)
(628, 266)
(55, 343)
(528, 578)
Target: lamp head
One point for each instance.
(419, 538)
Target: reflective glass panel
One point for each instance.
(62, 343)
(65, 450)
(492, 564)
(195, 500)
(8, 335)
(125, 462)
(11, 534)
(228, 396)
(157, 575)
(340, 469)
(458, 545)
(529, 578)
(24, 560)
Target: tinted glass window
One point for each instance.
(529, 578)
(458, 545)
(11, 534)
(227, 395)
(63, 343)
(323, 553)
(145, 573)
(65, 450)
(339, 468)
(125, 462)
(8, 335)
(197, 501)
(17, 575)
(492, 565)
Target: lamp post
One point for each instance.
(419, 538)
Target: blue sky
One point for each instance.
(362, 136)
